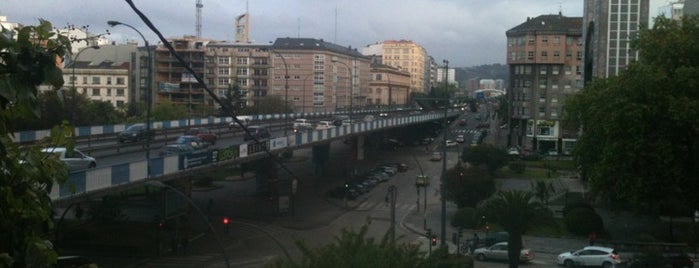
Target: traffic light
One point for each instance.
(434, 240)
(226, 222)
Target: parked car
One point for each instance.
(257, 132)
(498, 251)
(512, 151)
(74, 159)
(176, 148)
(436, 156)
(135, 133)
(195, 142)
(460, 138)
(590, 256)
(450, 143)
(204, 133)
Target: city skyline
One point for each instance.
(452, 29)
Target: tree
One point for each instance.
(270, 105)
(517, 212)
(486, 155)
(166, 110)
(468, 186)
(640, 129)
(29, 57)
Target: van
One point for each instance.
(244, 119)
(324, 125)
(257, 132)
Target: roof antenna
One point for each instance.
(560, 9)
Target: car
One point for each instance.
(303, 129)
(203, 133)
(590, 256)
(368, 118)
(498, 251)
(244, 120)
(257, 132)
(195, 142)
(302, 122)
(384, 114)
(513, 151)
(135, 133)
(176, 148)
(321, 125)
(460, 138)
(436, 156)
(450, 143)
(74, 159)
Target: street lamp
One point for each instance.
(160, 184)
(149, 105)
(351, 93)
(286, 91)
(444, 153)
(75, 60)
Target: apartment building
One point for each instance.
(608, 28)
(389, 86)
(406, 55)
(318, 76)
(243, 64)
(544, 57)
(174, 82)
(99, 81)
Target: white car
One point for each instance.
(75, 159)
(450, 143)
(590, 256)
(513, 151)
(460, 138)
(498, 251)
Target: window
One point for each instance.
(544, 54)
(109, 92)
(568, 70)
(557, 40)
(120, 81)
(579, 55)
(241, 61)
(569, 40)
(96, 80)
(120, 103)
(224, 60)
(532, 40)
(530, 55)
(545, 40)
(120, 92)
(84, 80)
(242, 71)
(95, 92)
(223, 81)
(569, 55)
(109, 80)
(542, 70)
(555, 69)
(224, 71)
(557, 54)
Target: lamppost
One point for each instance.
(391, 195)
(351, 93)
(444, 153)
(149, 94)
(286, 90)
(75, 60)
(159, 184)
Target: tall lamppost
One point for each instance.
(75, 60)
(160, 184)
(444, 153)
(149, 105)
(351, 93)
(286, 90)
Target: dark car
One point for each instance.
(135, 133)
(257, 132)
(203, 133)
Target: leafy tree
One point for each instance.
(468, 186)
(29, 57)
(486, 155)
(270, 105)
(166, 110)
(517, 212)
(640, 129)
(354, 249)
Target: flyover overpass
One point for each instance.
(121, 175)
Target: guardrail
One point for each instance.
(87, 181)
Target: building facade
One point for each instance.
(409, 56)
(318, 76)
(389, 86)
(544, 57)
(100, 81)
(608, 28)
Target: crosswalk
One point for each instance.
(384, 206)
(469, 131)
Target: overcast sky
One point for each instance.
(464, 32)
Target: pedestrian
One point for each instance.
(593, 237)
(471, 246)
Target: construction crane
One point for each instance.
(198, 25)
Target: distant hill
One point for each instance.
(490, 71)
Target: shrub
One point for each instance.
(582, 221)
(465, 218)
(517, 166)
